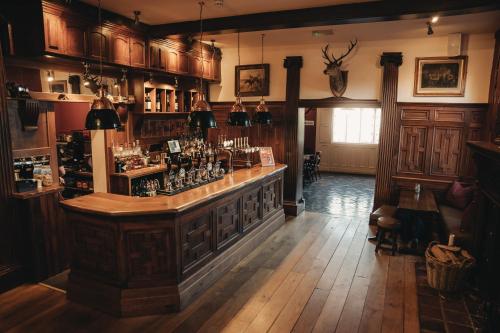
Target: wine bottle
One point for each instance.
(158, 102)
(148, 103)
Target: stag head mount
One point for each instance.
(337, 77)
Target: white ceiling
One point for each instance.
(170, 11)
(487, 22)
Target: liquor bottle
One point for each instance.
(168, 101)
(148, 103)
(158, 102)
(176, 103)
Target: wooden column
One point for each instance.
(493, 131)
(294, 139)
(389, 128)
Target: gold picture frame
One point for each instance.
(440, 76)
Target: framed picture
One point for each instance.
(59, 86)
(440, 76)
(266, 156)
(252, 80)
(173, 146)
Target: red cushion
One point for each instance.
(459, 195)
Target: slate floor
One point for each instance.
(340, 194)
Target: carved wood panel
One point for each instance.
(94, 250)
(228, 223)
(54, 33)
(413, 142)
(120, 50)
(196, 240)
(445, 160)
(76, 35)
(151, 254)
(271, 197)
(137, 52)
(98, 40)
(252, 212)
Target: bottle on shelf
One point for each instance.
(158, 101)
(176, 103)
(147, 105)
(168, 101)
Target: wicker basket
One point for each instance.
(446, 276)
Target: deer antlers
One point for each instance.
(334, 60)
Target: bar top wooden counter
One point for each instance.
(121, 205)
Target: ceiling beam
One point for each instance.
(365, 12)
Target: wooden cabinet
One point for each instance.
(432, 140)
(216, 76)
(76, 38)
(195, 66)
(53, 33)
(137, 52)
(183, 60)
(120, 49)
(173, 61)
(99, 44)
(157, 56)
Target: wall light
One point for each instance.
(50, 76)
(435, 19)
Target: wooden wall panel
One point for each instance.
(412, 151)
(446, 150)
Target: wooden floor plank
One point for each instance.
(311, 311)
(331, 312)
(290, 314)
(392, 320)
(411, 321)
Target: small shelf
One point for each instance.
(140, 172)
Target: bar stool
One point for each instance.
(387, 224)
(384, 210)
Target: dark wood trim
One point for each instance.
(294, 139)
(364, 12)
(389, 128)
(333, 102)
(493, 130)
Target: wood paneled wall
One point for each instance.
(432, 142)
(494, 96)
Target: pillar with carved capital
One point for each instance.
(294, 139)
(389, 129)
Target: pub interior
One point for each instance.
(155, 157)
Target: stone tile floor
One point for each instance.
(340, 194)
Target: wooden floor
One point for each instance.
(318, 273)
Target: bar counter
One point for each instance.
(136, 256)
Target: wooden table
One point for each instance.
(423, 202)
(413, 209)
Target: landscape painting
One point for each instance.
(252, 80)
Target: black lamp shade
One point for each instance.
(102, 116)
(239, 119)
(263, 118)
(202, 119)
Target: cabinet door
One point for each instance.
(216, 70)
(183, 63)
(99, 41)
(76, 37)
(446, 151)
(412, 147)
(195, 66)
(157, 55)
(54, 33)
(137, 52)
(173, 61)
(207, 69)
(120, 50)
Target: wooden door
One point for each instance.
(76, 38)
(183, 66)
(173, 61)
(54, 33)
(412, 149)
(98, 40)
(137, 52)
(120, 50)
(446, 151)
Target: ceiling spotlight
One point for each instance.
(434, 19)
(136, 16)
(50, 76)
(429, 29)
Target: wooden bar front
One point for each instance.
(137, 256)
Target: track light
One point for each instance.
(50, 76)
(429, 29)
(136, 17)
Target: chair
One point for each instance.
(317, 157)
(309, 169)
(390, 225)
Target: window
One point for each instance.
(356, 125)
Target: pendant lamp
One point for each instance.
(262, 114)
(201, 115)
(239, 115)
(102, 114)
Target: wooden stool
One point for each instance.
(391, 225)
(384, 210)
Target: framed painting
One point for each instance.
(59, 86)
(440, 76)
(252, 80)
